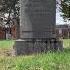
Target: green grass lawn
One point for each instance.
(66, 43)
(44, 61)
(49, 61)
(5, 44)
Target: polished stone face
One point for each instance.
(37, 18)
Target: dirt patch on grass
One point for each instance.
(5, 52)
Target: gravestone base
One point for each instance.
(27, 47)
(37, 23)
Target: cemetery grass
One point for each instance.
(6, 44)
(6, 47)
(43, 61)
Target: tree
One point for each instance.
(65, 9)
(11, 7)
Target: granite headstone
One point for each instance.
(37, 18)
(37, 21)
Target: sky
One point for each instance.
(59, 19)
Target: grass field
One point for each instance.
(49, 61)
(5, 44)
(66, 43)
(44, 61)
(6, 47)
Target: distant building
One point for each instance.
(63, 31)
(2, 33)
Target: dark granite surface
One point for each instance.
(37, 16)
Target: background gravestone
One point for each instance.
(37, 26)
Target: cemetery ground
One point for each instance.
(44, 61)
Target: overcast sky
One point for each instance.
(59, 19)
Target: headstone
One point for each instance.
(37, 26)
(37, 18)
